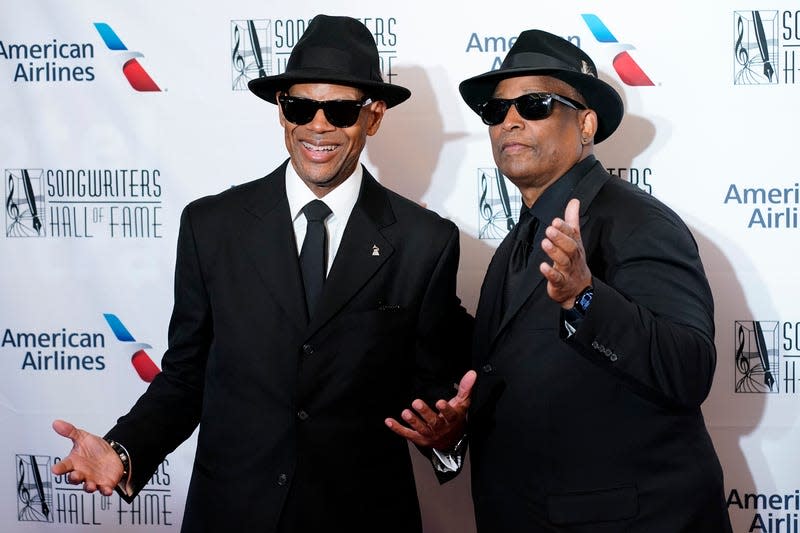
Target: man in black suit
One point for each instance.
(289, 374)
(594, 334)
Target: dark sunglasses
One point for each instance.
(340, 113)
(533, 106)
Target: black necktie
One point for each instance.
(523, 235)
(313, 254)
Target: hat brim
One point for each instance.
(599, 95)
(266, 88)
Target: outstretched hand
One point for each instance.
(440, 428)
(91, 461)
(569, 274)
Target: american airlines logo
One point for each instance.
(134, 72)
(626, 67)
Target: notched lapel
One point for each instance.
(521, 296)
(362, 252)
(267, 237)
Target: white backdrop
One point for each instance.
(97, 168)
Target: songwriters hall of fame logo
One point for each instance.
(756, 356)
(755, 48)
(498, 205)
(261, 47)
(24, 203)
(251, 55)
(34, 489)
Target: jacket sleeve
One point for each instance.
(169, 410)
(651, 319)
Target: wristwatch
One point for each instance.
(583, 300)
(581, 305)
(123, 457)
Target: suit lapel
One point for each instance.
(267, 236)
(357, 259)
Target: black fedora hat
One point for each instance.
(337, 50)
(540, 53)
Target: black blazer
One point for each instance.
(600, 432)
(291, 414)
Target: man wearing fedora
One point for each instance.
(309, 305)
(594, 333)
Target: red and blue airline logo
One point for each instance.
(628, 70)
(140, 360)
(134, 72)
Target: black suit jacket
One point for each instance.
(602, 431)
(291, 414)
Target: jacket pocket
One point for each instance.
(619, 503)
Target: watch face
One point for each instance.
(584, 300)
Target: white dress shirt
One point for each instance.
(340, 200)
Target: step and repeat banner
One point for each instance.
(116, 114)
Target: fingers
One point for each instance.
(405, 432)
(62, 467)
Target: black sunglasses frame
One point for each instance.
(339, 113)
(531, 106)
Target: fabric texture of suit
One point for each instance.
(601, 431)
(291, 414)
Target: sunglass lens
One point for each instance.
(342, 114)
(494, 111)
(298, 111)
(534, 106)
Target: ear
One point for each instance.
(588, 126)
(376, 111)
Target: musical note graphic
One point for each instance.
(22, 203)
(755, 48)
(756, 363)
(495, 224)
(34, 498)
(251, 53)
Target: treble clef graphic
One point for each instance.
(22, 490)
(236, 56)
(485, 207)
(741, 52)
(11, 207)
(741, 361)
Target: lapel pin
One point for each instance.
(375, 250)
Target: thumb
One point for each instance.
(465, 386)
(65, 429)
(572, 214)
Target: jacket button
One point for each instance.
(308, 349)
(487, 368)
(282, 479)
(302, 415)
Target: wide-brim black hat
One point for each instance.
(337, 50)
(540, 53)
